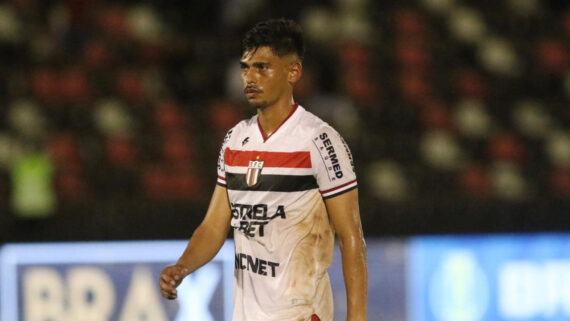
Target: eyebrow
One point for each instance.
(255, 64)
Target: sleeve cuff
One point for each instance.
(339, 189)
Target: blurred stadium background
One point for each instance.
(457, 112)
(112, 112)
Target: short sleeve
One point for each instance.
(221, 160)
(332, 163)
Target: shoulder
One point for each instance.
(311, 123)
(244, 124)
(239, 127)
(314, 125)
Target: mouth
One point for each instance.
(250, 92)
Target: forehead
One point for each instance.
(264, 53)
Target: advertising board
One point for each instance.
(523, 277)
(117, 281)
(109, 281)
(489, 277)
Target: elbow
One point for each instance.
(352, 241)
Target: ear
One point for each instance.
(295, 71)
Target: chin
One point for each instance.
(258, 104)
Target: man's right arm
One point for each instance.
(204, 244)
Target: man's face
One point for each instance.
(266, 76)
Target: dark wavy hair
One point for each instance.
(283, 36)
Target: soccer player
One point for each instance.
(286, 185)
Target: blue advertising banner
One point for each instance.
(109, 281)
(439, 278)
(386, 281)
(500, 278)
(117, 281)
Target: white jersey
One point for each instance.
(283, 236)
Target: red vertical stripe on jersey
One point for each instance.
(271, 159)
(314, 317)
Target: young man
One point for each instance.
(286, 184)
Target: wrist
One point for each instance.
(184, 268)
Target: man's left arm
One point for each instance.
(344, 213)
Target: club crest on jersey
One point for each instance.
(253, 172)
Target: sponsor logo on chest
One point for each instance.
(253, 172)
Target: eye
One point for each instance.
(262, 67)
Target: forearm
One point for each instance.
(202, 247)
(355, 277)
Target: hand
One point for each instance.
(170, 279)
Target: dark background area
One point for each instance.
(457, 113)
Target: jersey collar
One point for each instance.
(265, 136)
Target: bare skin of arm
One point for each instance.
(204, 244)
(344, 213)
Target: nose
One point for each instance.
(248, 78)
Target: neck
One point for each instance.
(271, 117)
